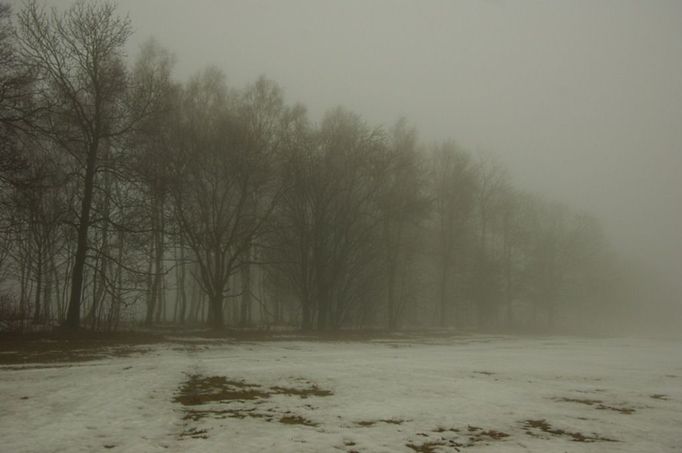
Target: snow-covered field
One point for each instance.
(492, 394)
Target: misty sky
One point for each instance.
(582, 100)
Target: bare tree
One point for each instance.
(492, 183)
(401, 204)
(513, 231)
(453, 191)
(221, 169)
(16, 107)
(78, 56)
(151, 145)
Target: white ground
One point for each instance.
(494, 383)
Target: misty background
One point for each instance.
(214, 215)
(581, 100)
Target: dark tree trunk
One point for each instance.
(443, 292)
(216, 319)
(160, 302)
(151, 293)
(181, 294)
(73, 316)
(39, 279)
(323, 313)
(392, 310)
(246, 295)
(306, 315)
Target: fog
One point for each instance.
(343, 225)
(582, 100)
(579, 100)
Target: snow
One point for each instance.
(386, 395)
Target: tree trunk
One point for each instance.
(323, 312)
(181, 294)
(151, 291)
(443, 292)
(246, 295)
(47, 299)
(160, 303)
(39, 279)
(306, 315)
(216, 320)
(392, 314)
(73, 316)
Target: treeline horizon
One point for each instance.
(128, 196)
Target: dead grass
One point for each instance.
(390, 421)
(457, 439)
(431, 446)
(81, 346)
(313, 390)
(194, 433)
(440, 429)
(587, 402)
(198, 414)
(621, 410)
(477, 434)
(544, 426)
(296, 420)
(200, 389)
(597, 404)
(491, 434)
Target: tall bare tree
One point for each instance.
(401, 204)
(453, 191)
(78, 55)
(224, 187)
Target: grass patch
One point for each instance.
(659, 396)
(296, 420)
(207, 389)
(313, 390)
(427, 447)
(598, 404)
(544, 426)
(194, 433)
(64, 347)
(390, 421)
(200, 389)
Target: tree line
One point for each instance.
(130, 196)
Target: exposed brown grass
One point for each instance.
(390, 421)
(61, 347)
(544, 426)
(426, 447)
(659, 396)
(206, 389)
(296, 420)
(200, 389)
(597, 404)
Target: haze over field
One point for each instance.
(582, 100)
(554, 126)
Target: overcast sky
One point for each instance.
(581, 99)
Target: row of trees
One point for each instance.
(127, 196)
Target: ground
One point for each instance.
(402, 393)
